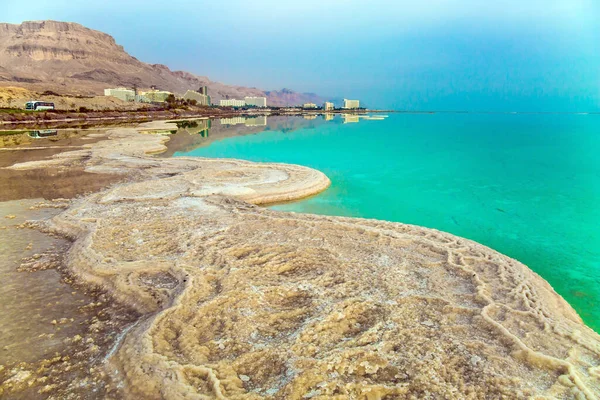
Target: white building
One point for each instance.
(156, 96)
(232, 103)
(327, 106)
(121, 93)
(201, 99)
(256, 101)
(351, 104)
(309, 105)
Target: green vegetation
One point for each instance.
(174, 103)
(12, 111)
(171, 100)
(6, 133)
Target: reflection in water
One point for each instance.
(260, 120)
(350, 118)
(193, 134)
(195, 127)
(65, 137)
(47, 183)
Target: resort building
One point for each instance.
(351, 104)
(141, 99)
(256, 101)
(232, 103)
(156, 96)
(201, 99)
(328, 106)
(309, 105)
(121, 93)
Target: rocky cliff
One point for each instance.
(70, 58)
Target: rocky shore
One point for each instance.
(238, 301)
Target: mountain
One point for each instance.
(69, 58)
(289, 97)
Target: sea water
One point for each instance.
(526, 185)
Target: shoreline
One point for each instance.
(243, 301)
(42, 119)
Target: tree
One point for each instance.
(171, 99)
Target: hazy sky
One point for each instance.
(436, 54)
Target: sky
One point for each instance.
(502, 55)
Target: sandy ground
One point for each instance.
(16, 97)
(242, 302)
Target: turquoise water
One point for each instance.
(527, 185)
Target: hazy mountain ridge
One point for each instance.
(70, 58)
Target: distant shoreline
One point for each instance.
(46, 118)
(41, 119)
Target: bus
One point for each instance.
(39, 106)
(43, 133)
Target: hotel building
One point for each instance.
(201, 99)
(328, 106)
(121, 93)
(156, 96)
(256, 101)
(232, 103)
(351, 104)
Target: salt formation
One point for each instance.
(241, 302)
